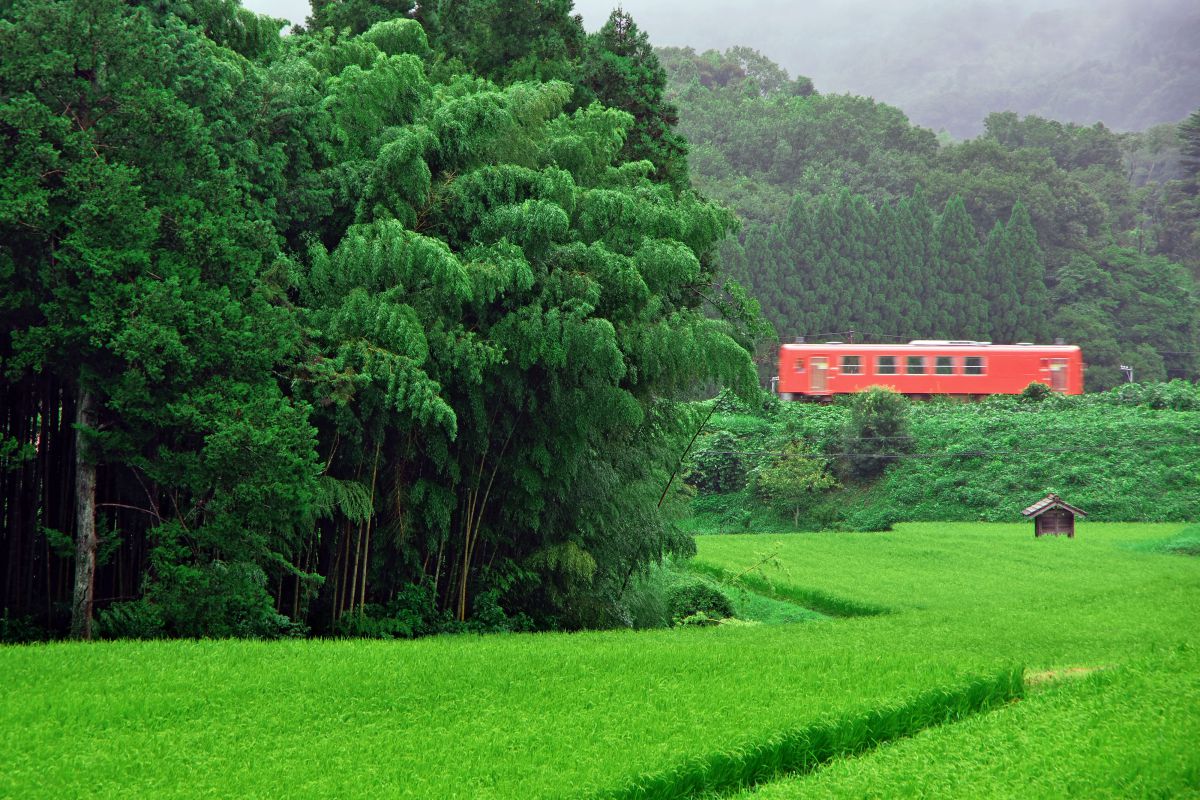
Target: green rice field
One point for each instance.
(958, 660)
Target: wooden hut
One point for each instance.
(1053, 517)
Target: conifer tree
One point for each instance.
(1027, 274)
(621, 70)
(143, 306)
(960, 296)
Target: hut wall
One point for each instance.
(1056, 522)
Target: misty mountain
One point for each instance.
(1128, 64)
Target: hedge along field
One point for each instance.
(541, 715)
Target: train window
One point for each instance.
(885, 365)
(915, 365)
(973, 365)
(799, 365)
(944, 365)
(851, 365)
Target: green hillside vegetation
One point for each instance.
(644, 714)
(1129, 454)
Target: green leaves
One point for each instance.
(472, 305)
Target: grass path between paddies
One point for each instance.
(570, 715)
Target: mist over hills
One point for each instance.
(1126, 63)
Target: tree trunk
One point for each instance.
(85, 520)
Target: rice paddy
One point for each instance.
(933, 624)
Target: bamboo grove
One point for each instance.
(380, 327)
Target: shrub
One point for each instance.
(718, 468)
(1035, 392)
(19, 630)
(413, 612)
(218, 600)
(692, 597)
(877, 431)
(794, 479)
(1176, 395)
(133, 620)
(870, 519)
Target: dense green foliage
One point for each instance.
(860, 221)
(1128, 454)
(584, 714)
(374, 324)
(877, 432)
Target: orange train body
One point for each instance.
(927, 367)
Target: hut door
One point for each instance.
(820, 366)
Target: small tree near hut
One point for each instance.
(794, 479)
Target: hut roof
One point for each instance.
(1052, 501)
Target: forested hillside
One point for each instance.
(855, 219)
(378, 326)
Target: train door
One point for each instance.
(1058, 374)
(820, 372)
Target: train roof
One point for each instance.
(938, 344)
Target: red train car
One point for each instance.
(927, 367)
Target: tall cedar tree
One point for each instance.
(621, 70)
(139, 310)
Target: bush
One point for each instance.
(877, 432)
(692, 597)
(19, 630)
(869, 520)
(215, 600)
(794, 480)
(1035, 392)
(718, 468)
(133, 620)
(413, 612)
(1175, 395)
